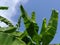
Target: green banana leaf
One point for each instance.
(18, 23)
(33, 18)
(31, 27)
(7, 39)
(51, 28)
(43, 30)
(3, 8)
(11, 36)
(7, 29)
(6, 21)
(30, 24)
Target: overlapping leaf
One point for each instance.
(30, 24)
(11, 36)
(6, 39)
(31, 27)
(52, 25)
(44, 26)
(43, 30)
(18, 23)
(51, 28)
(7, 29)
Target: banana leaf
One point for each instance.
(30, 24)
(51, 28)
(6, 21)
(7, 39)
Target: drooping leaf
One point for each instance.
(16, 34)
(5, 21)
(7, 29)
(6, 39)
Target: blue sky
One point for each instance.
(43, 8)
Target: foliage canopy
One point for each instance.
(10, 36)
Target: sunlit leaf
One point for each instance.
(43, 29)
(31, 26)
(33, 17)
(51, 28)
(6, 39)
(44, 26)
(7, 29)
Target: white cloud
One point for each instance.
(2, 24)
(12, 8)
(24, 1)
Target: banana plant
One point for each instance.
(12, 36)
(30, 24)
(9, 35)
(48, 31)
